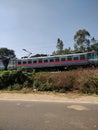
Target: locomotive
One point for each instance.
(57, 62)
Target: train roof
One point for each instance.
(50, 56)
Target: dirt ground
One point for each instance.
(49, 97)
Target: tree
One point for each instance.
(5, 55)
(82, 43)
(67, 51)
(59, 45)
(94, 45)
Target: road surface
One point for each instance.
(34, 115)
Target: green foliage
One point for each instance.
(5, 55)
(15, 87)
(65, 51)
(94, 45)
(85, 82)
(81, 80)
(95, 83)
(59, 45)
(82, 43)
(42, 82)
(15, 78)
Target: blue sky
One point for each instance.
(35, 25)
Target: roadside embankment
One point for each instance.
(49, 97)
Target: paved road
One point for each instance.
(25, 115)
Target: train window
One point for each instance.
(56, 59)
(63, 59)
(82, 57)
(90, 55)
(52, 60)
(29, 61)
(93, 54)
(35, 61)
(40, 61)
(76, 58)
(1, 63)
(24, 62)
(69, 58)
(45, 60)
(19, 62)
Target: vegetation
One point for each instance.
(94, 45)
(13, 79)
(5, 56)
(82, 81)
(83, 43)
(59, 45)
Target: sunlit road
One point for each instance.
(25, 115)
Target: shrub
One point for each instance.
(63, 81)
(85, 83)
(81, 80)
(42, 82)
(15, 78)
(15, 87)
(95, 83)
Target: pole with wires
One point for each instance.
(29, 53)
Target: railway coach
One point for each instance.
(59, 62)
(55, 63)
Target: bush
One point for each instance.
(95, 83)
(15, 87)
(15, 78)
(42, 82)
(85, 83)
(63, 81)
(81, 80)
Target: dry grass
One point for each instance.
(81, 80)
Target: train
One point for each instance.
(55, 62)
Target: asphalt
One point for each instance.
(34, 115)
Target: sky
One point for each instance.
(35, 25)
